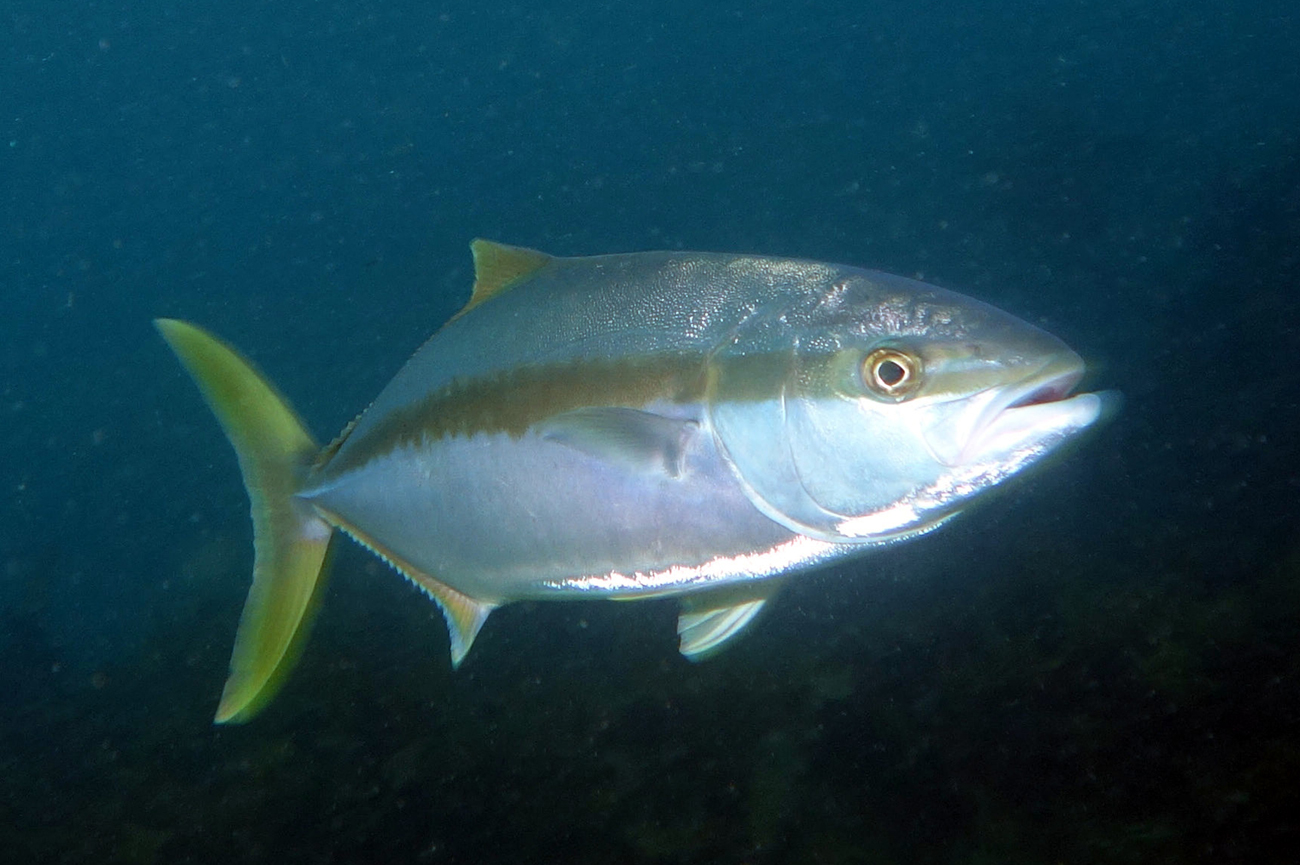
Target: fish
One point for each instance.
(700, 426)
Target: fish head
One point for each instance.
(876, 407)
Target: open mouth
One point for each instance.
(1035, 414)
(1014, 422)
(1052, 390)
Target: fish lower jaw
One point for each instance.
(1031, 426)
(1004, 448)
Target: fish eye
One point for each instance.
(891, 373)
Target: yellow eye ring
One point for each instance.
(890, 373)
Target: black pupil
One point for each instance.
(890, 372)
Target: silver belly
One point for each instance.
(504, 518)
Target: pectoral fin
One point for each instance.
(634, 439)
(708, 621)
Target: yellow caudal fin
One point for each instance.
(290, 540)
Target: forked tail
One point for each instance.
(291, 542)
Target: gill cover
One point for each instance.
(786, 408)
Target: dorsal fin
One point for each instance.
(332, 448)
(497, 267)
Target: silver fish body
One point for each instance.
(656, 424)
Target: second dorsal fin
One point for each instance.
(497, 267)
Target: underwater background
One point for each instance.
(1102, 665)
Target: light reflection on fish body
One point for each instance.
(657, 424)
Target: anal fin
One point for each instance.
(464, 614)
(709, 620)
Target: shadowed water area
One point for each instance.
(1100, 665)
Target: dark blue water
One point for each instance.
(1101, 666)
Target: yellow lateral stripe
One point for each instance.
(513, 401)
(291, 541)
